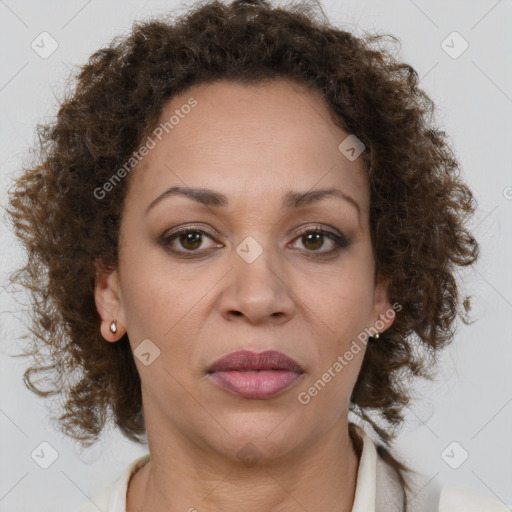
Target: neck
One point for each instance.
(320, 477)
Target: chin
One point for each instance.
(269, 438)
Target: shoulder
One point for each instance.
(424, 494)
(460, 499)
(113, 497)
(100, 501)
(430, 496)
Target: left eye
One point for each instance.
(314, 239)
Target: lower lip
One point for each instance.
(256, 385)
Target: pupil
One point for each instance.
(191, 238)
(318, 239)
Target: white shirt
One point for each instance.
(377, 490)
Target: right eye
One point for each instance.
(189, 239)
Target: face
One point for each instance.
(263, 261)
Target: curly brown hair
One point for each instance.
(419, 204)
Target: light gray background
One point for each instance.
(470, 402)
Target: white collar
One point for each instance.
(378, 488)
(364, 498)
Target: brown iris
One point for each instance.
(193, 238)
(310, 237)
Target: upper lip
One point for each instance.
(245, 360)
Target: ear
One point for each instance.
(384, 313)
(108, 299)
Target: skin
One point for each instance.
(253, 144)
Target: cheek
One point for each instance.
(342, 301)
(165, 307)
(342, 309)
(149, 302)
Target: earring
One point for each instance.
(376, 336)
(113, 327)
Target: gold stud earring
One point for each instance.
(113, 327)
(376, 336)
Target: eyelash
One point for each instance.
(341, 241)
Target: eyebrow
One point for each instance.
(291, 200)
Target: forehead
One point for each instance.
(249, 139)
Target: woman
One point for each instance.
(240, 219)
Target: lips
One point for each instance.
(245, 360)
(256, 376)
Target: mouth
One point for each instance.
(255, 376)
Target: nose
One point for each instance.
(257, 292)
